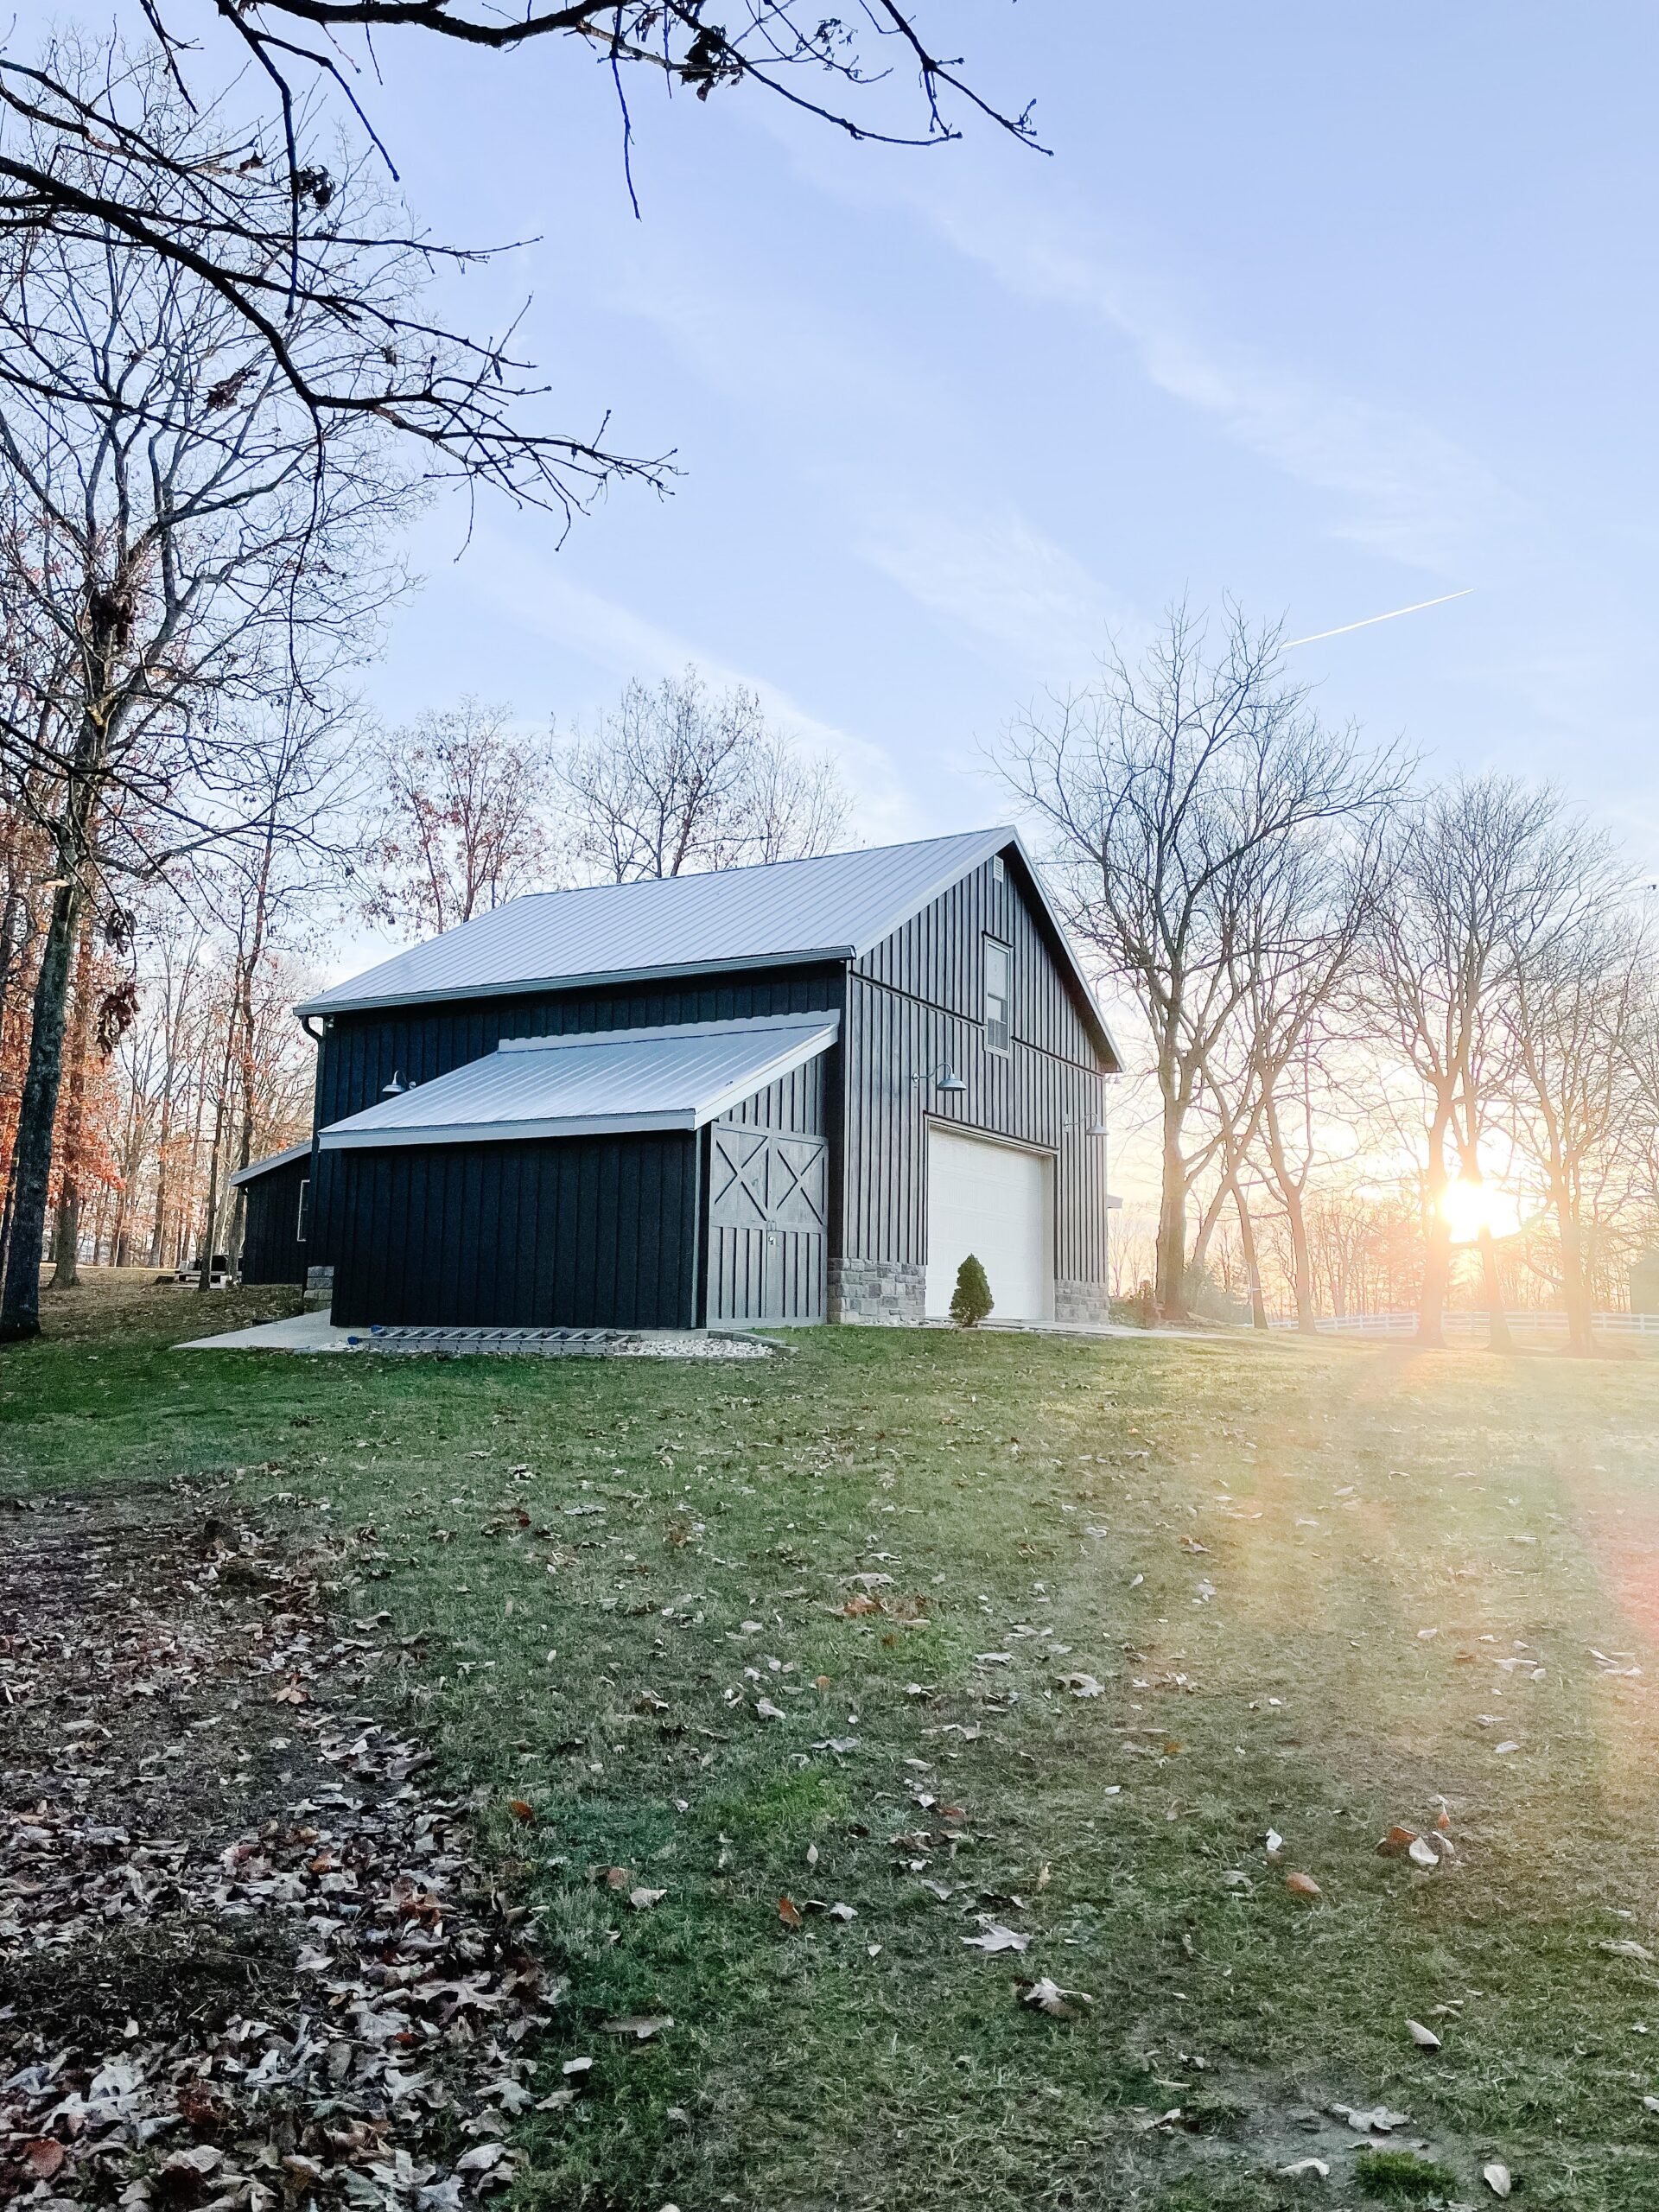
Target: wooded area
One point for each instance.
(1388, 1016)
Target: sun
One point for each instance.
(1469, 1207)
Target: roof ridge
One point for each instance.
(753, 868)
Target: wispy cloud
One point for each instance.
(545, 600)
(1000, 580)
(1405, 491)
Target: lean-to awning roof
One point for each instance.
(272, 1160)
(603, 1081)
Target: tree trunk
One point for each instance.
(1290, 1193)
(66, 1275)
(1170, 1286)
(20, 1301)
(1575, 1291)
(1437, 1255)
(1252, 1264)
(1498, 1336)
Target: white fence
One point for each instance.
(1460, 1325)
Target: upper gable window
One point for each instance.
(999, 995)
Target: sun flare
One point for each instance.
(1469, 1207)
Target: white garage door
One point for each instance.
(993, 1201)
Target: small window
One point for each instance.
(999, 994)
(299, 1219)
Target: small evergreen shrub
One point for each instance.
(971, 1301)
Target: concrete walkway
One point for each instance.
(299, 1333)
(316, 1332)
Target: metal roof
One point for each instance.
(833, 908)
(273, 1160)
(602, 1082)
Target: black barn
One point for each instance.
(783, 1094)
(275, 1194)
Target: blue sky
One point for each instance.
(1331, 310)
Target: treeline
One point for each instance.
(1389, 1018)
(181, 1059)
(201, 514)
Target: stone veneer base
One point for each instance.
(888, 1293)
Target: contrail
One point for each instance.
(1393, 615)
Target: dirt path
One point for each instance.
(246, 1960)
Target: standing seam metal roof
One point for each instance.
(836, 907)
(596, 1082)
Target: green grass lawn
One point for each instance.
(1319, 1588)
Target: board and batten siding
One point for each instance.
(572, 1232)
(916, 1003)
(271, 1248)
(361, 1052)
(766, 1226)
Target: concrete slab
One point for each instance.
(313, 1333)
(299, 1333)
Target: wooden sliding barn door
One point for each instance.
(767, 1203)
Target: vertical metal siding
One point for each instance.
(916, 1001)
(580, 1232)
(361, 1053)
(270, 1251)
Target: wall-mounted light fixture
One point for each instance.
(394, 1088)
(943, 1077)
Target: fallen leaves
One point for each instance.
(1303, 1886)
(1045, 1996)
(1626, 1947)
(351, 1995)
(638, 2027)
(1425, 2038)
(993, 1936)
(1497, 2176)
(1082, 1684)
(1372, 2119)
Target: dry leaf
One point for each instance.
(43, 2158)
(521, 1808)
(1081, 1685)
(1425, 2038)
(1303, 1886)
(1422, 1852)
(1500, 1750)
(1627, 1948)
(642, 2026)
(790, 1913)
(1299, 2167)
(767, 1710)
(995, 1937)
(1496, 2175)
(1397, 1841)
(1045, 1996)
(1276, 1843)
(1375, 2120)
(643, 1899)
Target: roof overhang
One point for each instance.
(269, 1165)
(512, 1095)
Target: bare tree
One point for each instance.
(460, 823)
(678, 778)
(269, 251)
(1570, 1007)
(1478, 875)
(1169, 794)
(177, 535)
